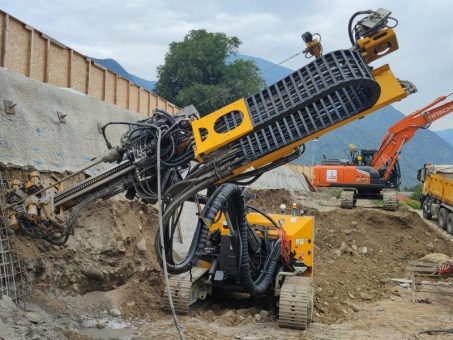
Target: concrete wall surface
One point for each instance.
(35, 137)
(284, 177)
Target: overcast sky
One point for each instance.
(136, 33)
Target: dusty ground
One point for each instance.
(106, 284)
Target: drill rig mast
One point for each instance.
(238, 250)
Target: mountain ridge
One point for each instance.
(446, 134)
(116, 67)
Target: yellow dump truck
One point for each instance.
(437, 194)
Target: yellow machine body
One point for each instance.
(213, 140)
(299, 230)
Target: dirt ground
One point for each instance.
(106, 284)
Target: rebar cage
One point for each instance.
(14, 280)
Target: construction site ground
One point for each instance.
(106, 283)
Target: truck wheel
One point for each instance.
(426, 213)
(450, 224)
(442, 218)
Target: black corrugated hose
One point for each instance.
(231, 194)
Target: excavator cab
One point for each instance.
(367, 156)
(358, 156)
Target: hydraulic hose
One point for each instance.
(259, 287)
(232, 194)
(351, 38)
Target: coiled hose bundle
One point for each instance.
(227, 194)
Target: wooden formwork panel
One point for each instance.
(32, 53)
(134, 98)
(2, 23)
(162, 104)
(122, 96)
(39, 57)
(58, 66)
(110, 87)
(97, 75)
(154, 101)
(79, 72)
(143, 102)
(18, 54)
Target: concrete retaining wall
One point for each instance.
(35, 137)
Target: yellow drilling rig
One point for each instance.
(169, 160)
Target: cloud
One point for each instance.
(137, 32)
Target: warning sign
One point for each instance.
(332, 176)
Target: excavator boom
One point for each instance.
(403, 131)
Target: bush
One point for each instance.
(413, 204)
(417, 191)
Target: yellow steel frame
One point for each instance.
(378, 45)
(214, 140)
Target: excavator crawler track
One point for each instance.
(347, 199)
(389, 200)
(185, 290)
(296, 302)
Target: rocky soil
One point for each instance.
(106, 284)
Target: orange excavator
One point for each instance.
(375, 174)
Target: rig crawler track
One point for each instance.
(185, 290)
(296, 302)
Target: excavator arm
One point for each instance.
(403, 131)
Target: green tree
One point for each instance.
(196, 72)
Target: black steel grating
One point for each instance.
(310, 83)
(323, 93)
